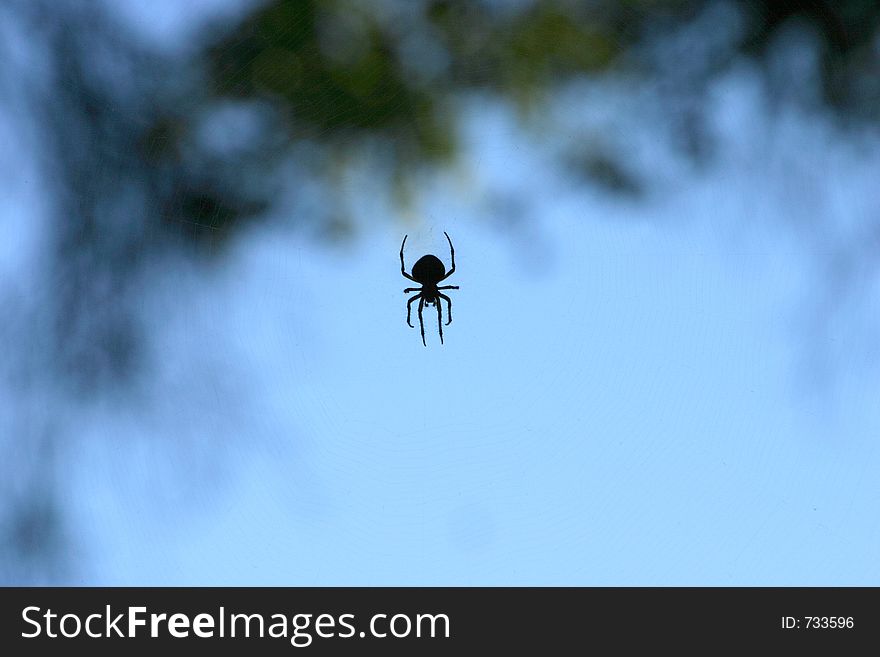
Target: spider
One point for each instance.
(427, 272)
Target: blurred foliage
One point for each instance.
(341, 72)
(135, 178)
(341, 81)
(362, 80)
(355, 84)
(847, 34)
(338, 71)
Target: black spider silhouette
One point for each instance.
(428, 271)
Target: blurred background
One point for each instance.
(664, 363)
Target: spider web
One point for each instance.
(609, 387)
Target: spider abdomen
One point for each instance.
(428, 269)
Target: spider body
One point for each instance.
(427, 272)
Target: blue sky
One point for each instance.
(626, 405)
(627, 395)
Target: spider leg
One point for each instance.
(449, 305)
(409, 308)
(402, 266)
(412, 289)
(451, 254)
(448, 287)
(421, 321)
(439, 318)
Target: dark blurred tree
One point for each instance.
(135, 180)
(341, 71)
(846, 34)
